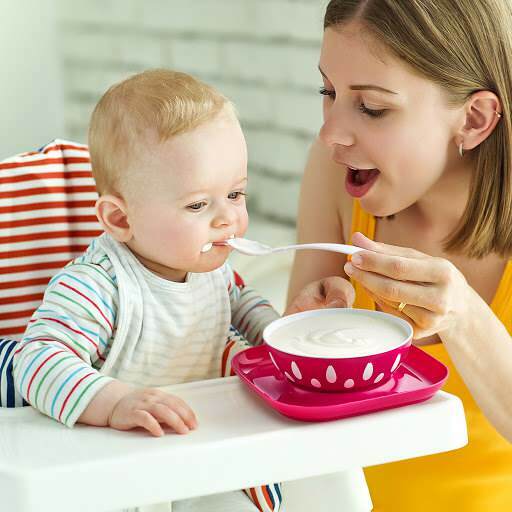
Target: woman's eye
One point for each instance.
(327, 92)
(196, 206)
(370, 112)
(236, 195)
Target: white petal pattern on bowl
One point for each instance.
(368, 371)
(330, 375)
(316, 383)
(349, 383)
(296, 371)
(288, 376)
(395, 364)
(378, 378)
(272, 357)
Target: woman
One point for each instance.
(413, 163)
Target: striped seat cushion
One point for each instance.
(47, 218)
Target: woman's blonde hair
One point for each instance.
(152, 105)
(464, 46)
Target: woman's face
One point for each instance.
(390, 129)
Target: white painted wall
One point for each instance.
(31, 99)
(263, 54)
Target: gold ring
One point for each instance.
(401, 306)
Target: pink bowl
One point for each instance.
(340, 373)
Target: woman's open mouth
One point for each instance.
(359, 181)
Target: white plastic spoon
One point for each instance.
(253, 248)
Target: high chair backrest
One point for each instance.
(47, 218)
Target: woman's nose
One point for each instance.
(336, 129)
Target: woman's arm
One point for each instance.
(323, 202)
(481, 349)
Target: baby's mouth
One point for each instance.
(207, 247)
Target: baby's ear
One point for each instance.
(112, 214)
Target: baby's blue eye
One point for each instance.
(196, 206)
(236, 195)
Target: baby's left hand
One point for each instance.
(330, 292)
(433, 290)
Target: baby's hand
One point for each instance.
(149, 408)
(330, 292)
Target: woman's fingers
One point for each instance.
(387, 306)
(364, 242)
(432, 288)
(424, 322)
(417, 294)
(402, 268)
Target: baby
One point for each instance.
(152, 302)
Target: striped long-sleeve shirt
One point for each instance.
(106, 316)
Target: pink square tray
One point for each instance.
(417, 378)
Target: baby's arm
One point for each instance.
(68, 336)
(250, 313)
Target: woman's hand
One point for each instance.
(330, 292)
(433, 290)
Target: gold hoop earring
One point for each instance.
(461, 149)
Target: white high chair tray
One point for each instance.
(240, 442)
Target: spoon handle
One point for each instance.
(341, 248)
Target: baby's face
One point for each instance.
(191, 195)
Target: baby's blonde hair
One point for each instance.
(157, 102)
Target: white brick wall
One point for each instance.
(263, 54)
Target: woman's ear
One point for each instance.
(112, 214)
(483, 113)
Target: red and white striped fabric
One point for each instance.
(47, 218)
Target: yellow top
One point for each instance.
(476, 478)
